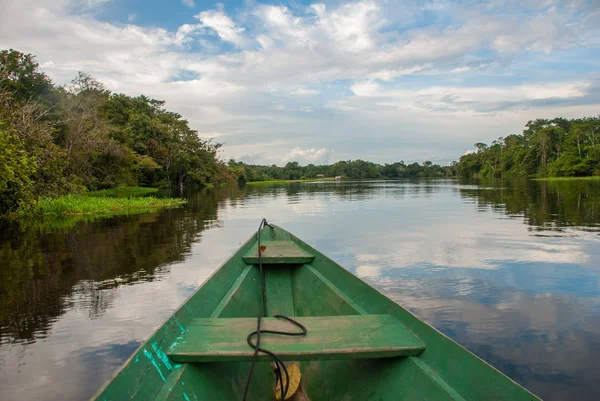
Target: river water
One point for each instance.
(509, 270)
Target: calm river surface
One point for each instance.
(509, 270)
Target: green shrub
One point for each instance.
(16, 170)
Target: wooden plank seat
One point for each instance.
(329, 337)
(279, 252)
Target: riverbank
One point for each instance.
(588, 178)
(288, 181)
(101, 204)
(71, 205)
(122, 192)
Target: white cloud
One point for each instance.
(459, 70)
(305, 92)
(340, 105)
(471, 99)
(90, 4)
(367, 88)
(306, 156)
(389, 75)
(265, 41)
(352, 25)
(185, 33)
(189, 3)
(209, 135)
(541, 33)
(343, 73)
(224, 26)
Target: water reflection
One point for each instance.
(543, 205)
(547, 342)
(506, 269)
(41, 270)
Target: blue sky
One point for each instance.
(318, 82)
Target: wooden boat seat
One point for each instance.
(279, 252)
(329, 337)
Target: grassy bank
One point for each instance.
(288, 181)
(91, 206)
(591, 178)
(71, 205)
(122, 192)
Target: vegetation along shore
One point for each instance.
(66, 147)
(546, 148)
(553, 179)
(99, 205)
(67, 140)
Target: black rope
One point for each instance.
(279, 365)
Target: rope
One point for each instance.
(279, 365)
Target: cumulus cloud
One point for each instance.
(224, 26)
(347, 77)
(185, 33)
(476, 99)
(307, 156)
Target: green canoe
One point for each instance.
(359, 345)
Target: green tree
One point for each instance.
(25, 120)
(20, 76)
(82, 135)
(557, 147)
(16, 170)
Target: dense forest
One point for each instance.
(351, 169)
(57, 140)
(554, 148)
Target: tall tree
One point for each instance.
(20, 76)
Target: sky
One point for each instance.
(318, 82)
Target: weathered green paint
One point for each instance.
(329, 337)
(331, 301)
(279, 252)
(371, 379)
(304, 288)
(241, 299)
(170, 384)
(278, 283)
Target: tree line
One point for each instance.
(79, 137)
(351, 169)
(547, 148)
(57, 140)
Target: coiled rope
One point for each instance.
(279, 365)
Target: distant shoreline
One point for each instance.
(288, 181)
(584, 178)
